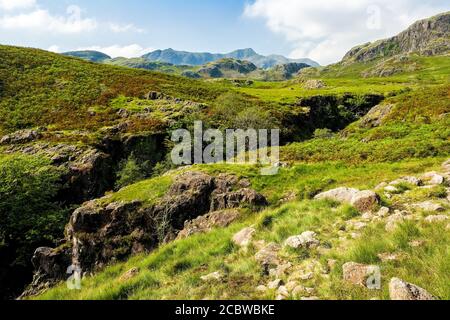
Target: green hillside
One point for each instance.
(86, 176)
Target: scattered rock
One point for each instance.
(340, 195)
(383, 212)
(416, 243)
(433, 178)
(275, 284)
(130, 274)
(280, 270)
(388, 257)
(268, 255)
(363, 201)
(306, 240)
(391, 189)
(331, 264)
(261, 288)
(381, 186)
(204, 224)
(429, 206)
(359, 274)
(307, 276)
(283, 292)
(446, 165)
(401, 290)
(244, 237)
(393, 221)
(314, 84)
(215, 276)
(436, 219)
(409, 180)
(291, 285)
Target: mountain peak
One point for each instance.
(428, 37)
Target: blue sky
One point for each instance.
(322, 30)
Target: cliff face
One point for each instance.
(427, 37)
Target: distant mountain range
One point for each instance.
(198, 59)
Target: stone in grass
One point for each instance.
(282, 293)
(215, 276)
(306, 240)
(436, 219)
(244, 237)
(362, 275)
(363, 201)
(269, 255)
(409, 180)
(383, 212)
(275, 284)
(429, 206)
(401, 290)
(261, 288)
(130, 274)
(433, 178)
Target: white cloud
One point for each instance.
(129, 51)
(54, 48)
(120, 28)
(16, 4)
(42, 21)
(325, 30)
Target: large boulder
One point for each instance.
(401, 290)
(363, 201)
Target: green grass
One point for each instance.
(176, 268)
(427, 266)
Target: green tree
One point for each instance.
(29, 215)
(131, 171)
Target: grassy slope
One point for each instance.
(39, 88)
(176, 268)
(362, 157)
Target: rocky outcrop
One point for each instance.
(376, 116)
(22, 136)
(314, 84)
(51, 266)
(427, 37)
(401, 290)
(100, 233)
